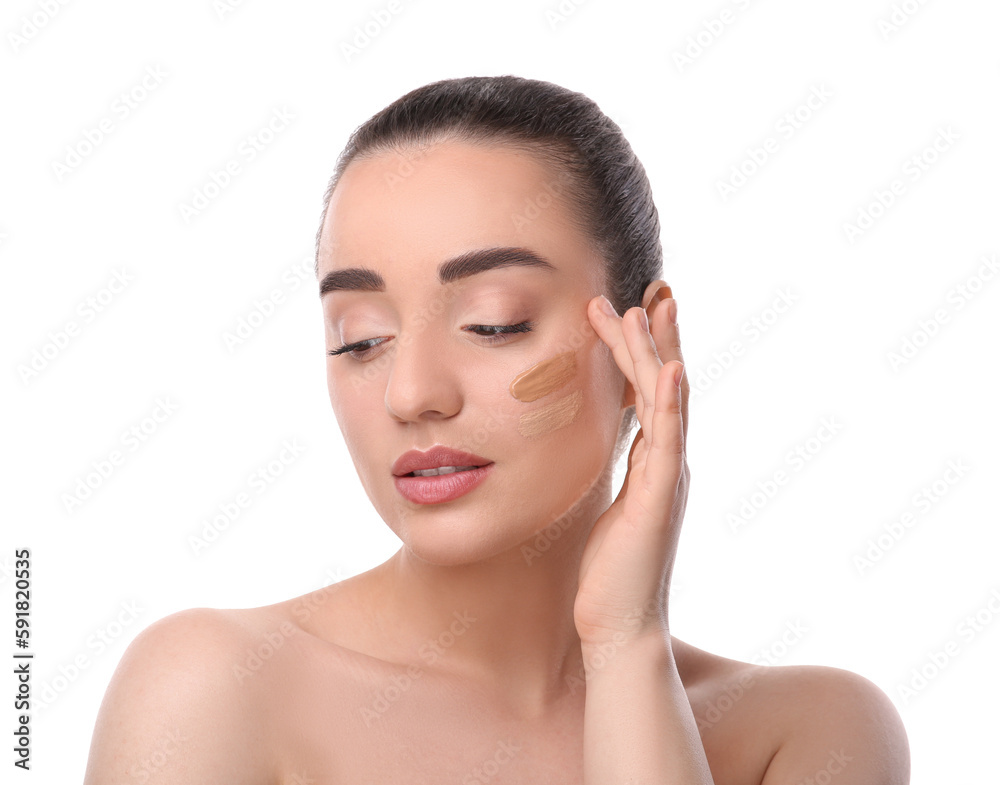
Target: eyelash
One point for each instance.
(498, 333)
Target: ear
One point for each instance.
(651, 297)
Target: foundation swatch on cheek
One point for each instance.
(551, 417)
(544, 377)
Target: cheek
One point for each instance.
(566, 388)
(558, 414)
(544, 380)
(358, 403)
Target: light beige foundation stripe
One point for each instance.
(551, 417)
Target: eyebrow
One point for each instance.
(362, 279)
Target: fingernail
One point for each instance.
(672, 312)
(606, 306)
(644, 320)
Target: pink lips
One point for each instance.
(443, 487)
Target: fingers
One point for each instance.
(641, 355)
(634, 351)
(666, 443)
(628, 463)
(610, 329)
(657, 458)
(668, 345)
(663, 471)
(645, 361)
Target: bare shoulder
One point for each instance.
(836, 721)
(794, 723)
(175, 712)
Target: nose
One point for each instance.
(423, 381)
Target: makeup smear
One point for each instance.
(552, 416)
(544, 377)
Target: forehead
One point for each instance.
(439, 201)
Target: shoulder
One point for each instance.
(774, 724)
(836, 721)
(827, 721)
(175, 710)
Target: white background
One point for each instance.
(161, 338)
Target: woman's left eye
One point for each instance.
(491, 333)
(494, 333)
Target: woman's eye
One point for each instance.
(358, 349)
(497, 332)
(492, 333)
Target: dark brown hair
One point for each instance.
(568, 131)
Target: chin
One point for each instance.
(441, 544)
(512, 532)
(466, 531)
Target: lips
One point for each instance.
(436, 458)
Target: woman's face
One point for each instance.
(433, 368)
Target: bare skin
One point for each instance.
(294, 713)
(463, 726)
(458, 660)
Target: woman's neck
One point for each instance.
(505, 623)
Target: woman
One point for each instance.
(479, 238)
